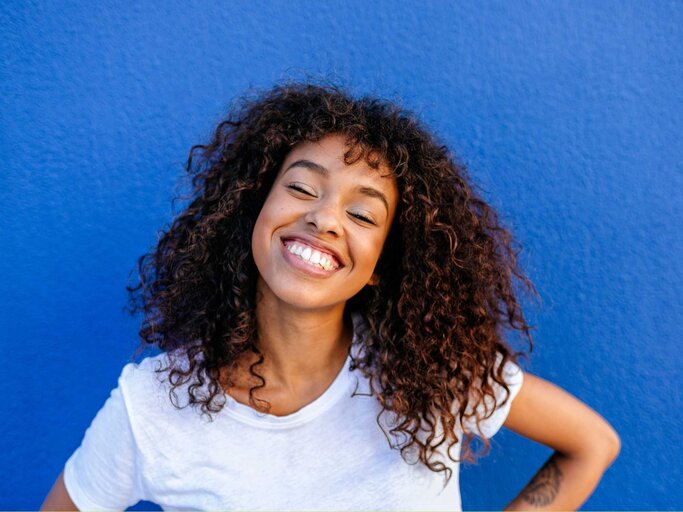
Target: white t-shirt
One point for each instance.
(329, 455)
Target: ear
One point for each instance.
(374, 280)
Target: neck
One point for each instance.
(300, 347)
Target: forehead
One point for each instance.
(330, 152)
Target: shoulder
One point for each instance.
(152, 405)
(144, 372)
(512, 372)
(512, 376)
(486, 413)
(144, 385)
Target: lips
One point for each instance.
(316, 246)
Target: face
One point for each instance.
(321, 230)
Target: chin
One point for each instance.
(295, 296)
(307, 302)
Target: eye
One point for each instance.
(300, 188)
(362, 218)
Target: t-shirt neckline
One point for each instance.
(339, 386)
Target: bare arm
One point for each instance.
(585, 445)
(58, 498)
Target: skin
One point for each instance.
(305, 341)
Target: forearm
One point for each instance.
(564, 482)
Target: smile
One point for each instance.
(312, 257)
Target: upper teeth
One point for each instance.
(311, 256)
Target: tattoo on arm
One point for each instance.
(544, 486)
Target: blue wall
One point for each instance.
(568, 113)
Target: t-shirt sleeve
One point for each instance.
(103, 472)
(514, 377)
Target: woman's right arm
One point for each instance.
(58, 498)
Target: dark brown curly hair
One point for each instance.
(446, 297)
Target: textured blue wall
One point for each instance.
(568, 113)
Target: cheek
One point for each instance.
(367, 251)
(266, 217)
(257, 234)
(274, 214)
(261, 234)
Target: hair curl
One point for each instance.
(436, 320)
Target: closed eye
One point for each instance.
(300, 189)
(362, 217)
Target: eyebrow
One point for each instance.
(324, 171)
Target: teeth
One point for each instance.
(311, 256)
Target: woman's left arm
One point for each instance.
(585, 445)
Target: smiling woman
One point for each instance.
(329, 209)
(332, 307)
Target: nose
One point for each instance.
(325, 219)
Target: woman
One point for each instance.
(332, 305)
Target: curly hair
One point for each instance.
(435, 322)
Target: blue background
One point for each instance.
(569, 115)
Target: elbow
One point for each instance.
(602, 446)
(615, 442)
(610, 445)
